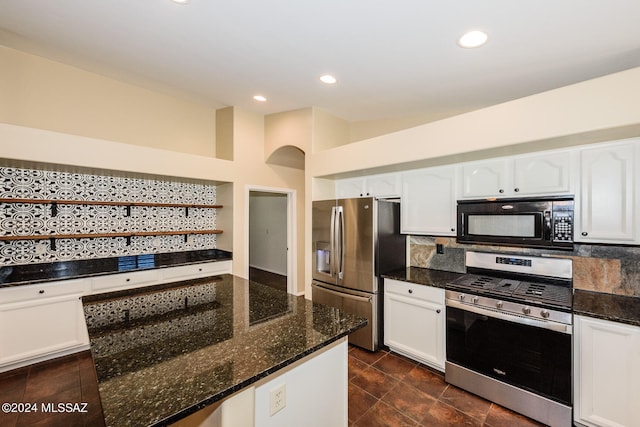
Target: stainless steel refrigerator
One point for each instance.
(354, 242)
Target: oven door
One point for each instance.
(526, 356)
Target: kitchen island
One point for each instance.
(164, 353)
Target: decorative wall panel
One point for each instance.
(25, 219)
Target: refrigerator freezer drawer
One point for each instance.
(359, 303)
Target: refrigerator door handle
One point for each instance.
(341, 241)
(343, 294)
(332, 243)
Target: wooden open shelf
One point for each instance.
(95, 235)
(107, 203)
(54, 210)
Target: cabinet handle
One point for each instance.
(410, 291)
(516, 189)
(438, 311)
(584, 233)
(453, 229)
(501, 191)
(41, 291)
(128, 280)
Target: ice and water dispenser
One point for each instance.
(323, 257)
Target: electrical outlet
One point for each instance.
(439, 248)
(277, 399)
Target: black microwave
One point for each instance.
(528, 222)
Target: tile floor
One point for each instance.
(69, 379)
(386, 389)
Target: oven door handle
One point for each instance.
(545, 324)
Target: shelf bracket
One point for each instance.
(128, 240)
(54, 208)
(127, 210)
(186, 211)
(52, 243)
(186, 238)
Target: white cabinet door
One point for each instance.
(429, 202)
(385, 185)
(39, 329)
(527, 175)
(414, 322)
(488, 178)
(608, 195)
(543, 174)
(606, 373)
(350, 187)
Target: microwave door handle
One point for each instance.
(341, 241)
(332, 242)
(547, 226)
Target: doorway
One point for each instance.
(270, 237)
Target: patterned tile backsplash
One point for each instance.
(24, 219)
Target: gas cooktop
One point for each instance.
(517, 290)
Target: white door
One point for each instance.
(607, 195)
(607, 373)
(542, 174)
(429, 202)
(488, 178)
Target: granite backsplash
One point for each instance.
(598, 268)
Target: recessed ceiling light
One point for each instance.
(328, 79)
(473, 39)
(260, 98)
(181, 1)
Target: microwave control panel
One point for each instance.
(563, 226)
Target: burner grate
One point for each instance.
(559, 295)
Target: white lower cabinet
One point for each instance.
(38, 322)
(414, 321)
(606, 373)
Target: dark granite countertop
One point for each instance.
(617, 308)
(423, 276)
(48, 272)
(164, 352)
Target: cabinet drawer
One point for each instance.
(197, 270)
(42, 291)
(413, 290)
(125, 280)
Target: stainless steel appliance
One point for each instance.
(509, 327)
(529, 222)
(354, 242)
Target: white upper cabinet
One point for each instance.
(428, 203)
(485, 179)
(383, 185)
(542, 174)
(608, 196)
(529, 175)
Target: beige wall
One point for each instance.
(607, 106)
(44, 94)
(132, 130)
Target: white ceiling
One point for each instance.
(392, 58)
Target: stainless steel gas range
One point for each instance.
(509, 327)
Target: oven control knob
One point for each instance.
(545, 314)
(461, 297)
(499, 304)
(474, 300)
(526, 310)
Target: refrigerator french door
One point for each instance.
(354, 241)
